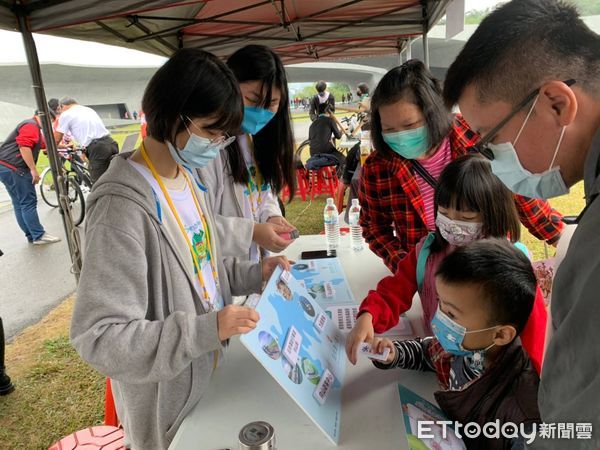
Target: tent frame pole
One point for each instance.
(425, 31)
(72, 233)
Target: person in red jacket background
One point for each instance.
(18, 173)
(411, 129)
(471, 204)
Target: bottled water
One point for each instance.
(355, 229)
(332, 225)
(365, 146)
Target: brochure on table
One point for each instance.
(327, 284)
(415, 409)
(302, 349)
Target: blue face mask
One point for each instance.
(451, 336)
(507, 167)
(198, 151)
(409, 144)
(255, 119)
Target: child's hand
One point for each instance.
(380, 344)
(234, 319)
(362, 332)
(269, 265)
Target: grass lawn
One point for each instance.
(57, 393)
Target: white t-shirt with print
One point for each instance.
(183, 201)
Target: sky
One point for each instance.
(54, 50)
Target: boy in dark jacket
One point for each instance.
(320, 134)
(486, 293)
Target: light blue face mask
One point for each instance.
(451, 336)
(409, 144)
(198, 151)
(507, 167)
(255, 119)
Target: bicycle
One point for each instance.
(302, 154)
(77, 180)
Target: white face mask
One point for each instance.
(507, 167)
(456, 232)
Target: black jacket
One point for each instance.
(506, 391)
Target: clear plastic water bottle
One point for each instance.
(355, 229)
(332, 225)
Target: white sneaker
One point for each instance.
(47, 239)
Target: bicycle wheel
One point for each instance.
(47, 190)
(76, 200)
(302, 154)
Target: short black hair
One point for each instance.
(321, 86)
(363, 88)
(503, 273)
(468, 184)
(53, 104)
(414, 83)
(192, 83)
(521, 45)
(274, 144)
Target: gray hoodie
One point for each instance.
(570, 381)
(226, 198)
(138, 318)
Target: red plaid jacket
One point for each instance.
(391, 202)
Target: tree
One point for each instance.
(337, 89)
(585, 8)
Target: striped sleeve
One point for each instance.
(412, 355)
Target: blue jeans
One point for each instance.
(24, 199)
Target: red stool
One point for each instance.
(110, 412)
(301, 186)
(101, 437)
(323, 181)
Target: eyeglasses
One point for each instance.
(482, 145)
(222, 141)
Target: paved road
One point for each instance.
(34, 279)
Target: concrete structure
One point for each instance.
(106, 85)
(88, 85)
(10, 115)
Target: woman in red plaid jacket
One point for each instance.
(415, 137)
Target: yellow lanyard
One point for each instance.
(182, 228)
(254, 179)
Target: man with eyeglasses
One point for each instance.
(528, 81)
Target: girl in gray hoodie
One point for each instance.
(153, 308)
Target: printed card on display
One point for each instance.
(329, 290)
(366, 349)
(343, 316)
(301, 349)
(285, 276)
(291, 348)
(324, 387)
(321, 322)
(325, 281)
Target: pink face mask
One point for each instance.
(456, 232)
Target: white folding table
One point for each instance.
(241, 391)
